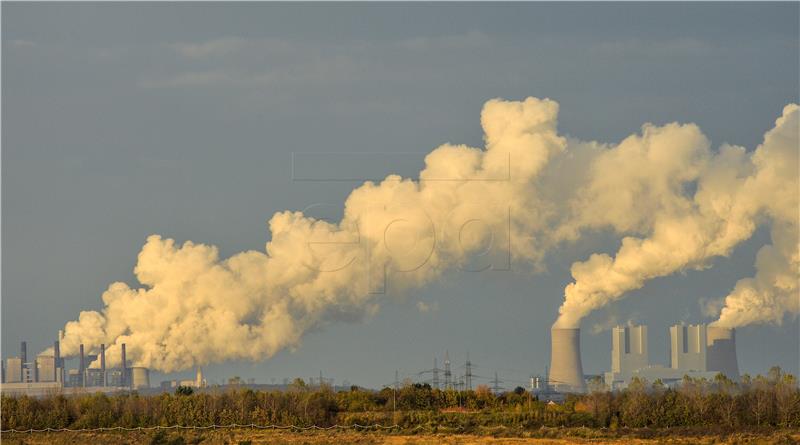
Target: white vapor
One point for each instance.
(645, 186)
(676, 202)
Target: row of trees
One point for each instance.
(768, 401)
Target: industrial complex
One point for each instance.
(47, 374)
(697, 351)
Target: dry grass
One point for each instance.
(247, 437)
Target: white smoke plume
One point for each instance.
(644, 186)
(526, 192)
(195, 308)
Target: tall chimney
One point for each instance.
(57, 359)
(566, 370)
(721, 352)
(82, 367)
(123, 367)
(23, 352)
(103, 362)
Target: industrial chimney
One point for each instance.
(123, 367)
(82, 367)
(57, 359)
(103, 362)
(566, 371)
(721, 351)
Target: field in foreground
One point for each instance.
(249, 437)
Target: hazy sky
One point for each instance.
(123, 120)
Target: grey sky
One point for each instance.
(122, 120)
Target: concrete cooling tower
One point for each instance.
(721, 352)
(566, 370)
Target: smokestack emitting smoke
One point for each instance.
(566, 369)
(676, 204)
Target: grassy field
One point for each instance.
(248, 437)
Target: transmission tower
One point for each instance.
(496, 384)
(468, 374)
(435, 374)
(448, 382)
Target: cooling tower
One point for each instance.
(140, 378)
(721, 352)
(566, 371)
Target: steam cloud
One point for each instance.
(676, 203)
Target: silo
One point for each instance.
(566, 370)
(721, 351)
(140, 377)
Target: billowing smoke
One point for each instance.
(677, 204)
(195, 308)
(689, 205)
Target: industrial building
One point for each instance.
(198, 382)
(696, 351)
(47, 374)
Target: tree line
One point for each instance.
(771, 401)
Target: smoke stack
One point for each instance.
(23, 352)
(57, 359)
(103, 362)
(82, 367)
(124, 364)
(57, 352)
(721, 352)
(566, 370)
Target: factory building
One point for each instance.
(13, 370)
(690, 349)
(198, 382)
(629, 348)
(47, 374)
(46, 368)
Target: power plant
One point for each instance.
(697, 351)
(48, 373)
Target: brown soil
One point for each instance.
(242, 437)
